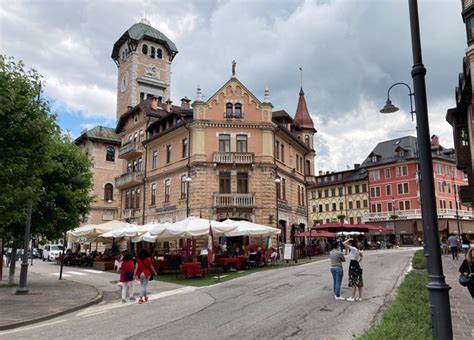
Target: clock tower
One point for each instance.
(143, 56)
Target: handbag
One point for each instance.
(464, 280)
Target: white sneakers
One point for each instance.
(337, 298)
(351, 299)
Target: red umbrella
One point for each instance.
(320, 234)
(346, 227)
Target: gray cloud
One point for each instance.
(351, 52)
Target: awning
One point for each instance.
(325, 234)
(347, 227)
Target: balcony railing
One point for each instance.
(130, 150)
(234, 157)
(128, 180)
(234, 200)
(415, 214)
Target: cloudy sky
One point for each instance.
(351, 52)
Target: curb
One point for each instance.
(94, 301)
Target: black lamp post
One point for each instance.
(390, 108)
(438, 289)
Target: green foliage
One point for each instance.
(37, 163)
(408, 317)
(419, 260)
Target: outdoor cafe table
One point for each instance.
(228, 262)
(161, 265)
(192, 269)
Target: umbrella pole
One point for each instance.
(96, 245)
(90, 247)
(309, 243)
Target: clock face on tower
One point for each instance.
(124, 82)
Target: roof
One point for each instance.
(100, 134)
(338, 178)
(302, 116)
(140, 31)
(387, 152)
(146, 107)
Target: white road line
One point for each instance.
(31, 327)
(76, 273)
(110, 306)
(64, 275)
(92, 314)
(93, 271)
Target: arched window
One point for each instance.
(108, 192)
(238, 110)
(159, 53)
(229, 109)
(110, 154)
(306, 140)
(152, 52)
(145, 49)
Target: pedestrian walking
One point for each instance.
(444, 245)
(355, 270)
(127, 270)
(337, 257)
(467, 269)
(143, 271)
(453, 243)
(465, 244)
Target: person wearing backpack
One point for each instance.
(143, 271)
(467, 270)
(127, 270)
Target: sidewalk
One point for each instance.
(47, 298)
(462, 308)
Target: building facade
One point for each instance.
(230, 156)
(101, 144)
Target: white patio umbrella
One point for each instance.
(245, 228)
(147, 237)
(93, 231)
(130, 231)
(190, 227)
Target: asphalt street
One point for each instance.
(293, 302)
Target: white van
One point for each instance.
(51, 251)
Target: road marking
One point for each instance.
(32, 327)
(92, 314)
(152, 297)
(76, 273)
(64, 275)
(93, 271)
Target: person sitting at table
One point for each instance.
(273, 255)
(253, 259)
(260, 257)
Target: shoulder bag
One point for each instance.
(463, 279)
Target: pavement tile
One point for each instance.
(47, 296)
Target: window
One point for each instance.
(127, 200)
(364, 187)
(145, 49)
(224, 143)
(340, 191)
(314, 208)
(303, 196)
(306, 140)
(137, 199)
(132, 199)
(439, 169)
(129, 167)
(387, 173)
(307, 169)
(349, 190)
(365, 203)
(159, 53)
(139, 164)
(440, 186)
(110, 154)
(153, 194)
(152, 52)
(376, 207)
(297, 163)
(301, 164)
(108, 192)
(351, 205)
(404, 205)
(341, 206)
(402, 188)
(358, 204)
(277, 150)
(224, 182)
(326, 192)
(184, 144)
(299, 197)
(167, 190)
(357, 189)
(374, 175)
(334, 207)
(283, 188)
(388, 190)
(242, 182)
(374, 159)
(320, 208)
(282, 153)
(278, 188)
(326, 206)
(184, 186)
(229, 110)
(241, 143)
(154, 159)
(389, 206)
(333, 192)
(402, 171)
(238, 110)
(375, 192)
(168, 153)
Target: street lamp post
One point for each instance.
(438, 289)
(277, 189)
(188, 180)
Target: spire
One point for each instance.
(302, 116)
(266, 98)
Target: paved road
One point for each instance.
(295, 302)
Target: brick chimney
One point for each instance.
(169, 107)
(434, 140)
(185, 103)
(154, 103)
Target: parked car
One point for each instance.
(37, 253)
(51, 251)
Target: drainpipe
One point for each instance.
(145, 174)
(186, 126)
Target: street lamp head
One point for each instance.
(188, 179)
(277, 180)
(389, 107)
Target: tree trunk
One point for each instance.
(1, 259)
(11, 275)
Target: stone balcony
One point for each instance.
(416, 214)
(234, 200)
(234, 157)
(129, 179)
(131, 150)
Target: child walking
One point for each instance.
(126, 277)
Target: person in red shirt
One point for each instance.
(143, 270)
(127, 272)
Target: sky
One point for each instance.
(350, 52)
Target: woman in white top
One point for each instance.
(355, 270)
